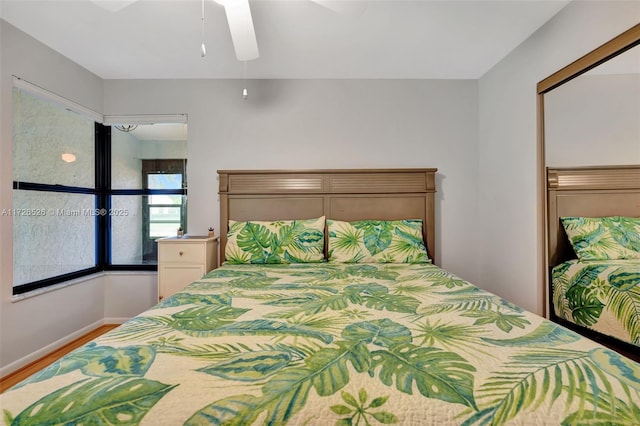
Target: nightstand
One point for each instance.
(184, 260)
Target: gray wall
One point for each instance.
(298, 124)
(593, 120)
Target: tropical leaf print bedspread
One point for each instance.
(322, 344)
(601, 295)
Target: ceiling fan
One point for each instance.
(240, 21)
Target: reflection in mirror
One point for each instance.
(594, 119)
(589, 135)
(145, 142)
(144, 159)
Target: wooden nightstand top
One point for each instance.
(189, 238)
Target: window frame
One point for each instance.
(97, 192)
(102, 191)
(141, 192)
(162, 166)
(109, 192)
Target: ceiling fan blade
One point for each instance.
(243, 34)
(344, 7)
(113, 5)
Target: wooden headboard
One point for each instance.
(349, 194)
(589, 192)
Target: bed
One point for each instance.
(353, 340)
(594, 252)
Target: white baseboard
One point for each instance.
(115, 320)
(34, 356)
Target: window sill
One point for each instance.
(55, 287)
(131, 273)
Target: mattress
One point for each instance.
(345, 344)
(601, 295)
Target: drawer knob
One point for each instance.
(180, 253)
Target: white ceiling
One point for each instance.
(296, 38)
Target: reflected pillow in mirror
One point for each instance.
(603, 238)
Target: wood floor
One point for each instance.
(26, 371)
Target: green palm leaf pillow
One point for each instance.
(281, 241)
(604, 238)
(377, 241)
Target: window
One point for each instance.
(165, 213)
(149, 184)
(54, 192)
(87, 197)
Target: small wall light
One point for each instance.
(68, 157)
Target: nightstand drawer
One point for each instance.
(183, 253)
(184, 260)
